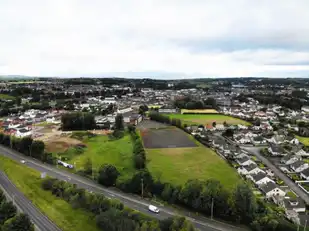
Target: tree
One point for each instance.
(7, 211)
(119, 124)
(214, 124)
(18, 101)
(244, 203)
(229, 132)
(37, 149)
(88, 167)
(108, 175)
(25, 145)
(20, 222)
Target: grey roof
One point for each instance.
(297, 164)
(288, 157)
(243, 159)
(276, 148)
(250, 167)
(258, 176)
(306, 172)
(268, 187)
(23, 130)
(293, 203)
(303, 219)
(219, 141)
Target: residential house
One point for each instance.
(291, 140)
(218, 143)
(244, 161)
(220, 127)
(242, 140)
(277, 139)
(296, 204)
(23, 133)
(258, 140)
(271, 189)
(305, 174)
(276, 150)
(299, 166)
(290, 159)
(249, 169)
(260, 178)
(298, 151)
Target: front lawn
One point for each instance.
(28, 181)
(177, 165)
(207, 119)
(303, 140)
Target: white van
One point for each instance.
(153, 209)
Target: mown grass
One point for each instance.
(207, 119)
(28, 181)
(103, 150)
(177, 165)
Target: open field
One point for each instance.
(200, 111)
(303, 140)
(59, 211)
(207, 119)
(101, 150)
(166, 138)
(4, 96)
(177, 165)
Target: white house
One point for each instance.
(305, 174)
(295, 204)
(23, 133)
(299, 166)
(290, 159)
(260, 178)
(271, 189)
(249, 169)
(220, 127)
(244, 161)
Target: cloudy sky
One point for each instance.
(160, 38)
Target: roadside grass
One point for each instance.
(7, 97)
(291, 194)
(177, 165)
(207, 119)
(28, 181)
(103, 150)
(303, 140)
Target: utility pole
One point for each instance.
(305, 225)
(212, 209)
(142, 181)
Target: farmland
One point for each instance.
(207, 119)
(175, 157)
(28, 181)
(177, 165)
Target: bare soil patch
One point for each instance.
(61, 144)
(166, 138)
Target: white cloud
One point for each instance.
(79, 37)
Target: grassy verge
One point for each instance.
(59, 211)
(303, 140)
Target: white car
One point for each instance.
(22, 161)
(153, 209)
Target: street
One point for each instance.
(132, 201)
(41, 222)
(293, 186)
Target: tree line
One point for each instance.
(10, 220)
(189, 103)
(111, 214)
(139, 154)
(78, 121)
(28, 147)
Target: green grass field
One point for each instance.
(177, 165)
(207, 119)
(59, 211)
(303, 140)
(4, 96)
(101, 150)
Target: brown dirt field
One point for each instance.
(61, 144)
(100, 132)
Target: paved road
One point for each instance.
(129, 200)
(42, 223)
(279, 173)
